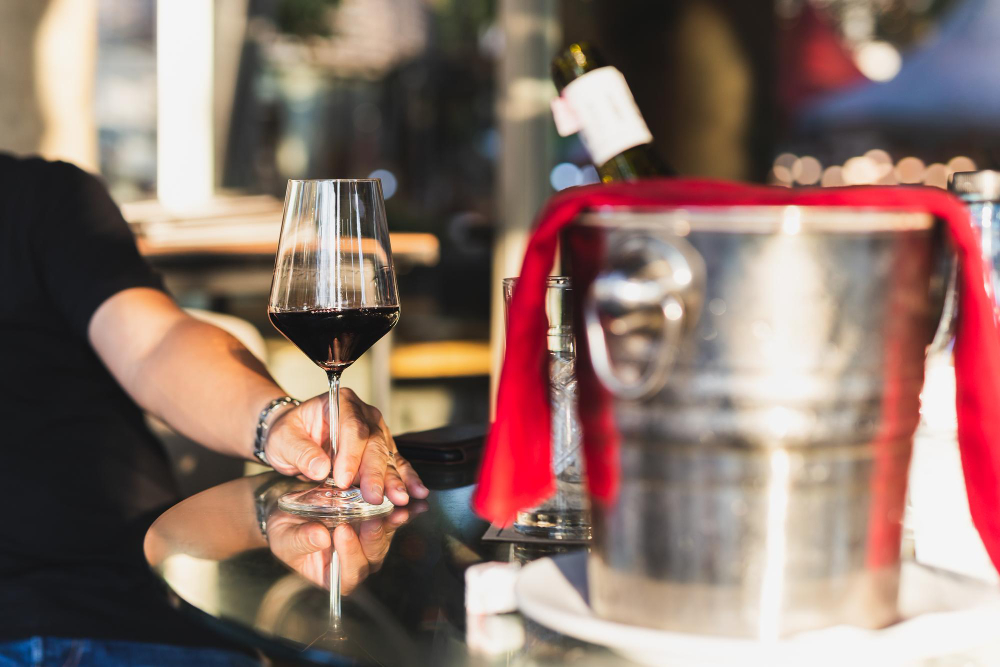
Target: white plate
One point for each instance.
(944, 615)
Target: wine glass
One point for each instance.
(333, 295)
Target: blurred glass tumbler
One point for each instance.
(938, 514)
(566, 515)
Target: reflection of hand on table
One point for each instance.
(305, 544)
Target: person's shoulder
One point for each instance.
(45, 190)
(34, 167)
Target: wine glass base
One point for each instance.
(330, 501)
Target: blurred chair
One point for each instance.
(240, 329)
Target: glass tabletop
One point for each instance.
(260, 575)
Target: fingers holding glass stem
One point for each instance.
(369, 457)
(364, 449)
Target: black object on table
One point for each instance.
(446, 445)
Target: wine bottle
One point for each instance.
(595, 100)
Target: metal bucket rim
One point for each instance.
(760, 219)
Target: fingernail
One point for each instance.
(421, 486)
(376, 490)
(316, 541)
(317, 467)
(344, 480)
(400, 489)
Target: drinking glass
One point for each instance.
(937, 519)
(566, 514)
(333, 295)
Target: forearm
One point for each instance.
(205, 384)
(194, 376)
(221, 537)
(208, 386)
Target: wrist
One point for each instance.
(265, 498)
(266, 419)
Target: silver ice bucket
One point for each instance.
(766, 365)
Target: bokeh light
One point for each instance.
(875, 167)
(590, 175)
(389, 183)
(807, 170)
(860, 170)
(936, 175)
(780, 175)
(961, 163)
(786, 160)
(882, 161)
(910, 170)
(879, 61)
(833, 177)
(565, 175)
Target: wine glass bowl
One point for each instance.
(333, 296)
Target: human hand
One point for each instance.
(307, 545)
(298, 444)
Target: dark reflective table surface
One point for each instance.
(402, 579)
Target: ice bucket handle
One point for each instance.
(649, 273)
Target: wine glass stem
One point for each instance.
(334, 377)
(334, 588)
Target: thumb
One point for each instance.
(291, 451)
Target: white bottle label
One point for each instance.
(562, 114)
(610, 121)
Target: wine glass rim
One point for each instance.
(333, 180)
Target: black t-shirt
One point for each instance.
(81, 476)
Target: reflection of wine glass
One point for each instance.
(334, 296)
(355, 548)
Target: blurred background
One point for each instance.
(196, 112)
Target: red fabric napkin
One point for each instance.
(516, 472)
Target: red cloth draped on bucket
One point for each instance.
(516, 472)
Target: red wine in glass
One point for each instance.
(334, 339)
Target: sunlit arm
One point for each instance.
(209, 387)
(193, 375)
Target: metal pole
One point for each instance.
(185, 175)
(531, 36)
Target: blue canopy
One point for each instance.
(952, 81)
